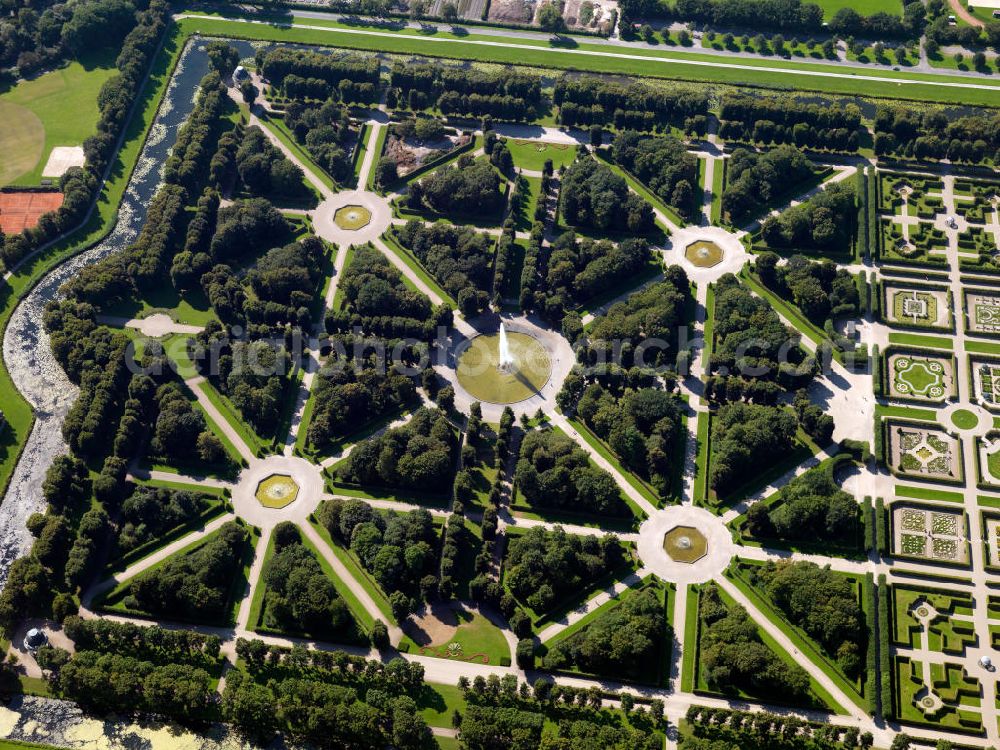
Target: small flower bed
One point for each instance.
(944, 523)
(911, 544)
(914, 520)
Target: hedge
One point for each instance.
(885, 670)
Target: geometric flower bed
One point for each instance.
(926, 308)
(924, 452)
(983, 311)
(919, 377)
(930, 533)
(986, 382)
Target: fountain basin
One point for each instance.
(480, 374)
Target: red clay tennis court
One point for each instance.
(20, 211)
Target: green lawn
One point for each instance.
(532, 155)
(479, 641)
(964, 419)
(906, 412)
(192, 308)
(545, 53)
(918, 339)
(58, 108)
(928, 493)
(525, 218)
(864, 7)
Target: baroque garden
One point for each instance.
(373, 389)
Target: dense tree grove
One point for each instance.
(325, 130)
(628, 328)
(305, 74)
(733, 657)
(623, 643)
(245, 228)
(299, 597)
(723, 729)
(643, 428)
(798, 16)
(751, 341)
(746, 439)
(144, 264)
(103, 380)
(593, 196)
(460, 258)
(554, 472)
(753, 180)
(821, 602)
(189, 159)
(153, 512)
(193, 260)
(178, 427)
(399, 549)
(581, 268)
(663, 164)
(466, 92)
(810, 508)
(635, 106)
(264, 170)
(821, 290)
(826, 221)
(377, 301)
(107, 683)
(763, 119)
(353, 392)
(252, 373)
(419, 455)
(325, 699)
(471, 188)
(933, 133)
(196, 585)
(78, 185)
(501, 714)
(41, 35)
(545, 566)
(149, 643)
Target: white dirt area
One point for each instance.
(61, 159)
(410, 154)
(512, 11)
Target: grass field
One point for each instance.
(35, 116)
(584, 54)
(532, 155)
(864, 7)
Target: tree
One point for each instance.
(449, 11)
(223, 58)
(249, 92)
(550, 18)
(596, 135)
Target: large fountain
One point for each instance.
(503, 368)
(506, 359)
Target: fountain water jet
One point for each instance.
(506, 359)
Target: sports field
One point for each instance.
(22, 210)
(58, 108)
